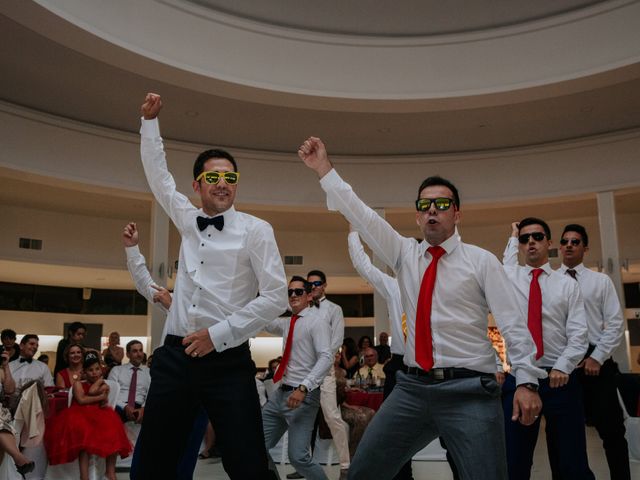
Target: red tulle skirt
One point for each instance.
(90, 428)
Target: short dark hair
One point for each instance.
(574, 227)
(131, 343)
(535, 221)
(198, 165)
(318, 273)
(298, 278)
(437, 180)
(75, 326)
(7, 333)
(27, 337)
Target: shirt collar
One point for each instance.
(449, 245)
(577, 268)
(229, 214)
(546, 268)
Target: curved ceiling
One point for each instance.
(51, 64)
(399, 18)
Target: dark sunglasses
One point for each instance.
(297, 291)
(317, 283)
(441, 203)
(537, 236)
(574, 241)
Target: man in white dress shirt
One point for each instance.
(328, 400)
(130, 406)
(229, 284)
(556, 319)
(306, 359)
(450, 389)
(25, 368)
(161, 298)
(598, 370)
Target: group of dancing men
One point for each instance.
(560, 328)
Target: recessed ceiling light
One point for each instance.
(191, 113)
(587, 109)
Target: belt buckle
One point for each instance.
(438, 373)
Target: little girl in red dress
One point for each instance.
(89, 426)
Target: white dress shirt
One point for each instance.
(386, 286)
(122, 374)
(333, 314)
(469, 284)
(564, 324)
(24, 372)
(311, 355)
(220, 273)
(136, 264)
(605, 323)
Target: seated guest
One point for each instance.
(8, 338)
(271, 369)
(74, 357)
(134, 381)
(363, 343)
(371, 367)
(349, 360)
(114, 353)
(24, 369)
(357, 417)
(75, 334)
(44, 358)
(383, 348)
(88, 427)
(7, 432)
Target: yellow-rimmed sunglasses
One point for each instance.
(212, 177)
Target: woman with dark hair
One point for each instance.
(74, 356)
(89, 426)
(349, 360)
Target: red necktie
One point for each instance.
(424, 344)
(287, 351)
(131, 400)
(535, 312)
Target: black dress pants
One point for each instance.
(221, 382)
(603, 411)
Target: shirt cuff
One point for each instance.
(220, 335)
(564, 365)
(526, 376)
(599, 356)
(149, 128)
(132, 252)
(330, 180)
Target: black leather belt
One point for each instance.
(442, 374)
(287, 388)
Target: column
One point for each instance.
(380, 311)
(611, 263)
(158, 264)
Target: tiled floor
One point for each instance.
(209, 469)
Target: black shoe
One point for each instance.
(294, 475)
(26, 468)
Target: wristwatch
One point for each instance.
(530, 386)
(303, 389)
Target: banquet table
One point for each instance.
(364, 398)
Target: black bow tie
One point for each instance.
(28, 360)
(204, 222)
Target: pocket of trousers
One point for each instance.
(490, 385)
